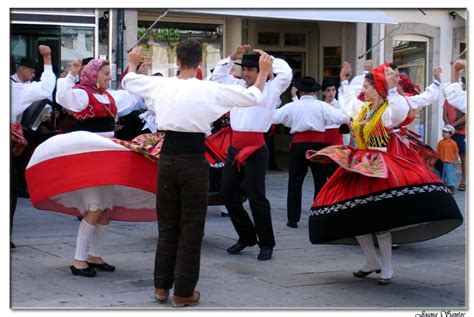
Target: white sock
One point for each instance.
(367, 244)
(97, 240)
(385, 246)
(84, 237)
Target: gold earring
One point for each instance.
(97, 84)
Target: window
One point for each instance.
(66, 42)
(268, 38)
(410, 54)
(295, 39)
(332, 62)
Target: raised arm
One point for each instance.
(221, 73)
(23, 95)
(398, 108)
(348, 100)
(430, 95)
(454, 93)
(75, 100)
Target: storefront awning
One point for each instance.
(334, 15)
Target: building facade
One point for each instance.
(314, 42)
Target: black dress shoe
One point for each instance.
(224, 214)
(292, 224)
(361, 273)
(12, 245)
(87, 272)
(102, 267)
(383, 281)
(236, 248)
(265, 254)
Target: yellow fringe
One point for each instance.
(370, 132)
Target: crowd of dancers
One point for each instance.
(373, 180)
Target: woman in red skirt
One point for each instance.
(382, 187)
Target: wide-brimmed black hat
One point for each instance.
(86, 60)
(307, 84)
(250, 60)
(328, 82)
(28, 62)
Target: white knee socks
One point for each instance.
(385, 246)
(367, 244)
(84, 237)
(97, 240)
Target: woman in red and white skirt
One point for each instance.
(382, 187)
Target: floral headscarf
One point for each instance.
(89, 75)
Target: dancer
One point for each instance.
(248, 156)
(183, 177)
(85, 187)
(383, 187)
(307, 119)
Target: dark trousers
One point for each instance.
(13, 190)
(298, 168)
(183, 182)
(252, 179)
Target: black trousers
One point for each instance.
(183, 182)
(298, 168)
(13, 189)
(252, 178)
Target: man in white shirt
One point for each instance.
(454, 93)
(185, 107)
(22, 94)
(248, 155)
(308, 118)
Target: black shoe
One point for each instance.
(12, 245)
(395, 246)
(87, 272)
(383, 281)
(236, 248)
(292, 224)
(224, 214)
(102, 267)
(361, 273)
(265, 254)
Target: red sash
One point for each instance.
(247, 143)
(333, 137)
(307, 137)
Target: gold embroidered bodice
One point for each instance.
(369, 131)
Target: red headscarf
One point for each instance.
(89, 75)
(380, 82)
(409, 88)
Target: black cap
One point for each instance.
(328, 82)
(249, 60)
(28, 62)
(307, 84)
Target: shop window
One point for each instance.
(295, 39)
(411, 58)
(66, 42)
(268, 38)
(332, 61)
(160, 44)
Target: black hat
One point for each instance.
(250, 60)
(328, 82)
(28, 62)
(85, 61)
(307, 84)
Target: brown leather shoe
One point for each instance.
(180, 301)
(162, 294)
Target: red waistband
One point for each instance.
(241, 139)
(333, 137)
(308, 137)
